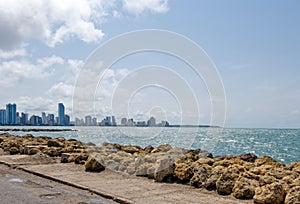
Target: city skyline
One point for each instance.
(10, 116)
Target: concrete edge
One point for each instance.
(106, 195)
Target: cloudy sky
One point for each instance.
(254, 45)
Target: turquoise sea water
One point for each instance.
(281, 144)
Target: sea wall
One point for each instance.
(244, 176)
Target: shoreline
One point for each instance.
(244, 176)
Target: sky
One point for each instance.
(254, 46)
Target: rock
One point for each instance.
(250, 157)
(291, 178)
(131, 149)
(264, 180)
(183, 171)
(226, 182)
(244, 188)
(54, 143)
(278, 173)
(271, 193)
(52, 151)
(293, 196)
(210, 183)
(33, 151)
(93, 165)
(264, 160)
(81, 158)
(14, 150)
(295, 167)
(89, 144)
(164, 169)
(224, 163)
(65, 157)
(201, 174)
(200, 161)
(131, 169)
(162, 148)
(143, 170)
(148, 149)
(67, 149)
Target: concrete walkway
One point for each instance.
(121, 188)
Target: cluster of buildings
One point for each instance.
(10, 116)
(93, 121)
(150, 123)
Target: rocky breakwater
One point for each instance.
(52, 147)
(244, 176)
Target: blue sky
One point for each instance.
(255, 46)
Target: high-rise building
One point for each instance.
(44, 118)
(24, 118)
(151, 122)
(88, 120)
(108, 121)
(61, 114)
(51, 119)
(67, 120)
(11, 114)
(94, 121)
(124, 121)
(113, 121)
(2, 117)
(35, 120)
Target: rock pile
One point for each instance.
(245, 176)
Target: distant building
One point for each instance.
(11, 114)
(79, 122)
(130, 122)
(88, 120)
(67, 120)
(2, 117)
(35, 120)
(124, 121)
(151, 122)
(108, 121)
(113, 121)
(164, 124)
(50, 119)
(18, 121)
(61, 114)
(44, 118)
(94, 121)
(24, 119)
(141, 124)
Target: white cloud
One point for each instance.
(61, 90)
(56, 21)
(53, 21)
(21, 52)
(35, 105)
(137, 7)
(16, 70)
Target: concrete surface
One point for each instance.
(17, 186)
(117, 187)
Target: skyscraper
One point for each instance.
(44, 118)
(2, 117)
(11, 114)
(61, 114)
(151, 122)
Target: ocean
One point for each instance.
(281, 144)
